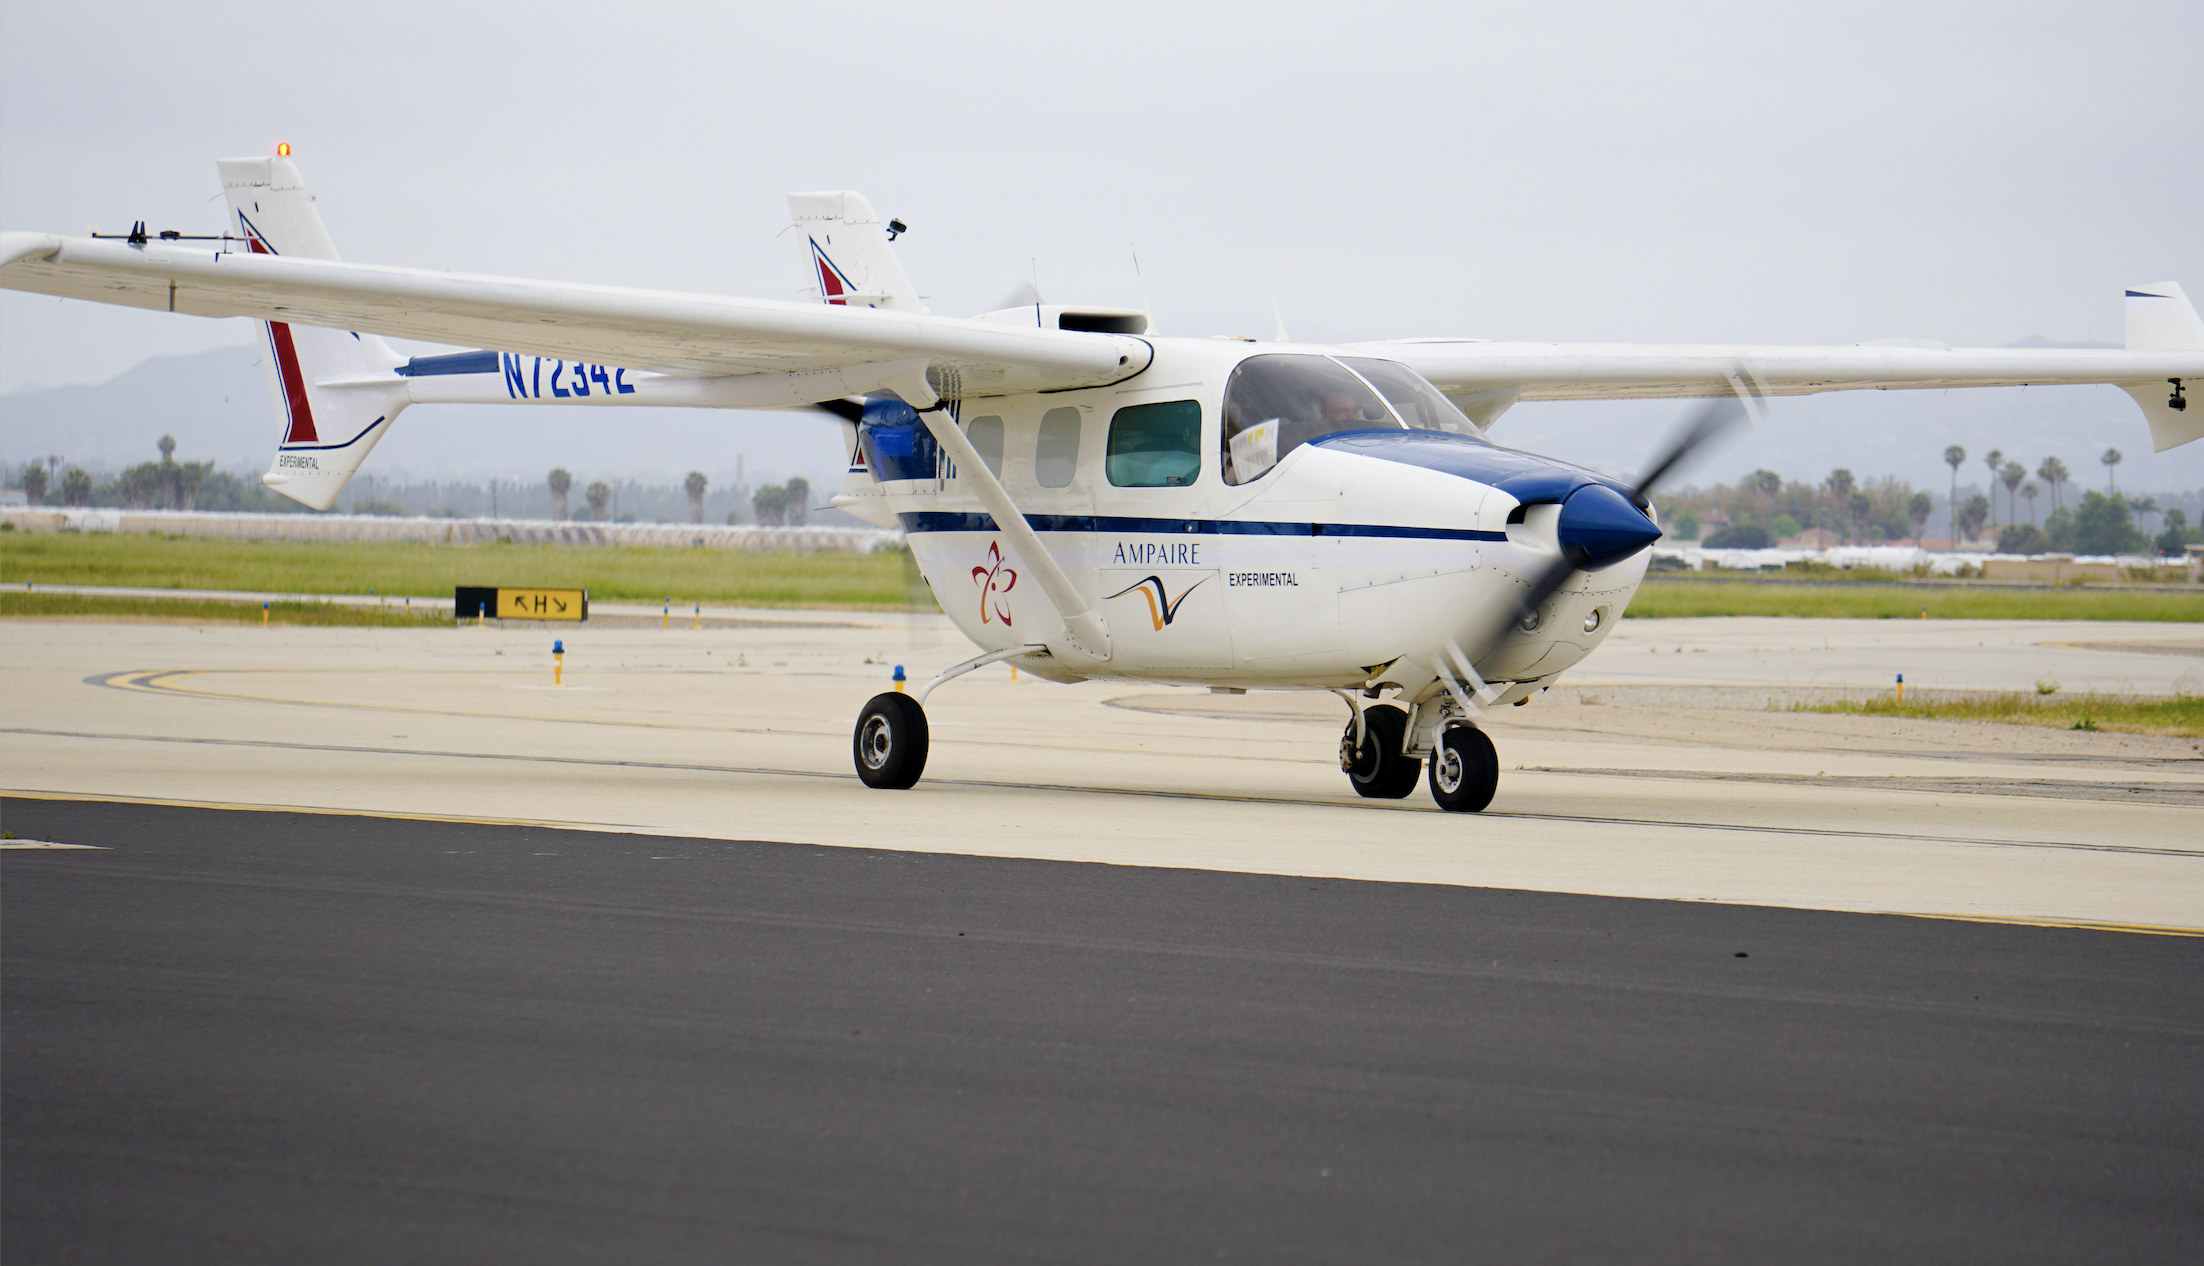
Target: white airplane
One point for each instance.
(1086, 499)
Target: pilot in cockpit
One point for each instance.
(1339, 406)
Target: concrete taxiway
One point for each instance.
(1660, 771)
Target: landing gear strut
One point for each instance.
(1374, 761)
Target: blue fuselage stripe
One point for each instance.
(943, 521)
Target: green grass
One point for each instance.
(2182, 715)
(725, 577)
(1663, 597)
(212, 611)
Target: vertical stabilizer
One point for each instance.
(2160, 318)
(852, 254)
(331, 418)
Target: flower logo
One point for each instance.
(994, 579)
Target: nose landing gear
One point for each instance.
(1465, 771)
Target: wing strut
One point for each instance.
(1089, 633)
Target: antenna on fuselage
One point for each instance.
(1147, 309)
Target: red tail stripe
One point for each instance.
(294, 386)
(286, 354)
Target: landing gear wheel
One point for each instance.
(1377, 769)
(1465, 771)
(890, 744)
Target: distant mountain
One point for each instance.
(218, 406)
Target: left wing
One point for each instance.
(689, 335)
(2165, 347)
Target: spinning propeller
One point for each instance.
(1598, 526)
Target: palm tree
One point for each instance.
(1973, 516)
(799, 500)
(2029, 491)
(2148, 505)
(2111, 459)
(560, 482)
(1919, 510)
(599, 494)
(695, 484)
(1857, 507)
(76, 486)
(2011, 476)
(34, 484)
(1953, 455)
(1996, 460)
(2053, 472)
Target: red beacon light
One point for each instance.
(283, 149)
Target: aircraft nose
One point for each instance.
(1600, 526)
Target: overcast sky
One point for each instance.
(1971, 173)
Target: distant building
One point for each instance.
(1811, 538)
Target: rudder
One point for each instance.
(332, 388)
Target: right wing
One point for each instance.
(2165, 349)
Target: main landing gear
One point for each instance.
(890, 744)
(1374, 751)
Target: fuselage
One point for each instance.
(1251, 515)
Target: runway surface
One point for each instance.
(265, 1035)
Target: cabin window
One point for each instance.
(1155, 445)
(1275, 404)
(1418, 403)
(1056, 452)
(986, 435)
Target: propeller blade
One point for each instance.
(1717, 417)
(847, 410)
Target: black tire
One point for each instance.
(1378, 770)
(1465, 771)
(889, 745)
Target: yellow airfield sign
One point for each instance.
(542, 604)
(470, 602)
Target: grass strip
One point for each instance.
(1660, 598)
(2181, 716)
(215, 611)
(610, 573)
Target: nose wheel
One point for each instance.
(890, 743)
(1465, 771)
(1377, 766)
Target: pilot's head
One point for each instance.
(1339, 406)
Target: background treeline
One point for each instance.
(168, 484)
(1764, 508)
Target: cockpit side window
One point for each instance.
(1155, 445)
(1275, 404)
(1418, 402)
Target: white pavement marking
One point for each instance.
(48, 844)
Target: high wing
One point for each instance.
(691, 335)
(2165, 345)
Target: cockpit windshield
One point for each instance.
(1418, 403)
(1275, 404)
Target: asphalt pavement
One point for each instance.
(269, 1035)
